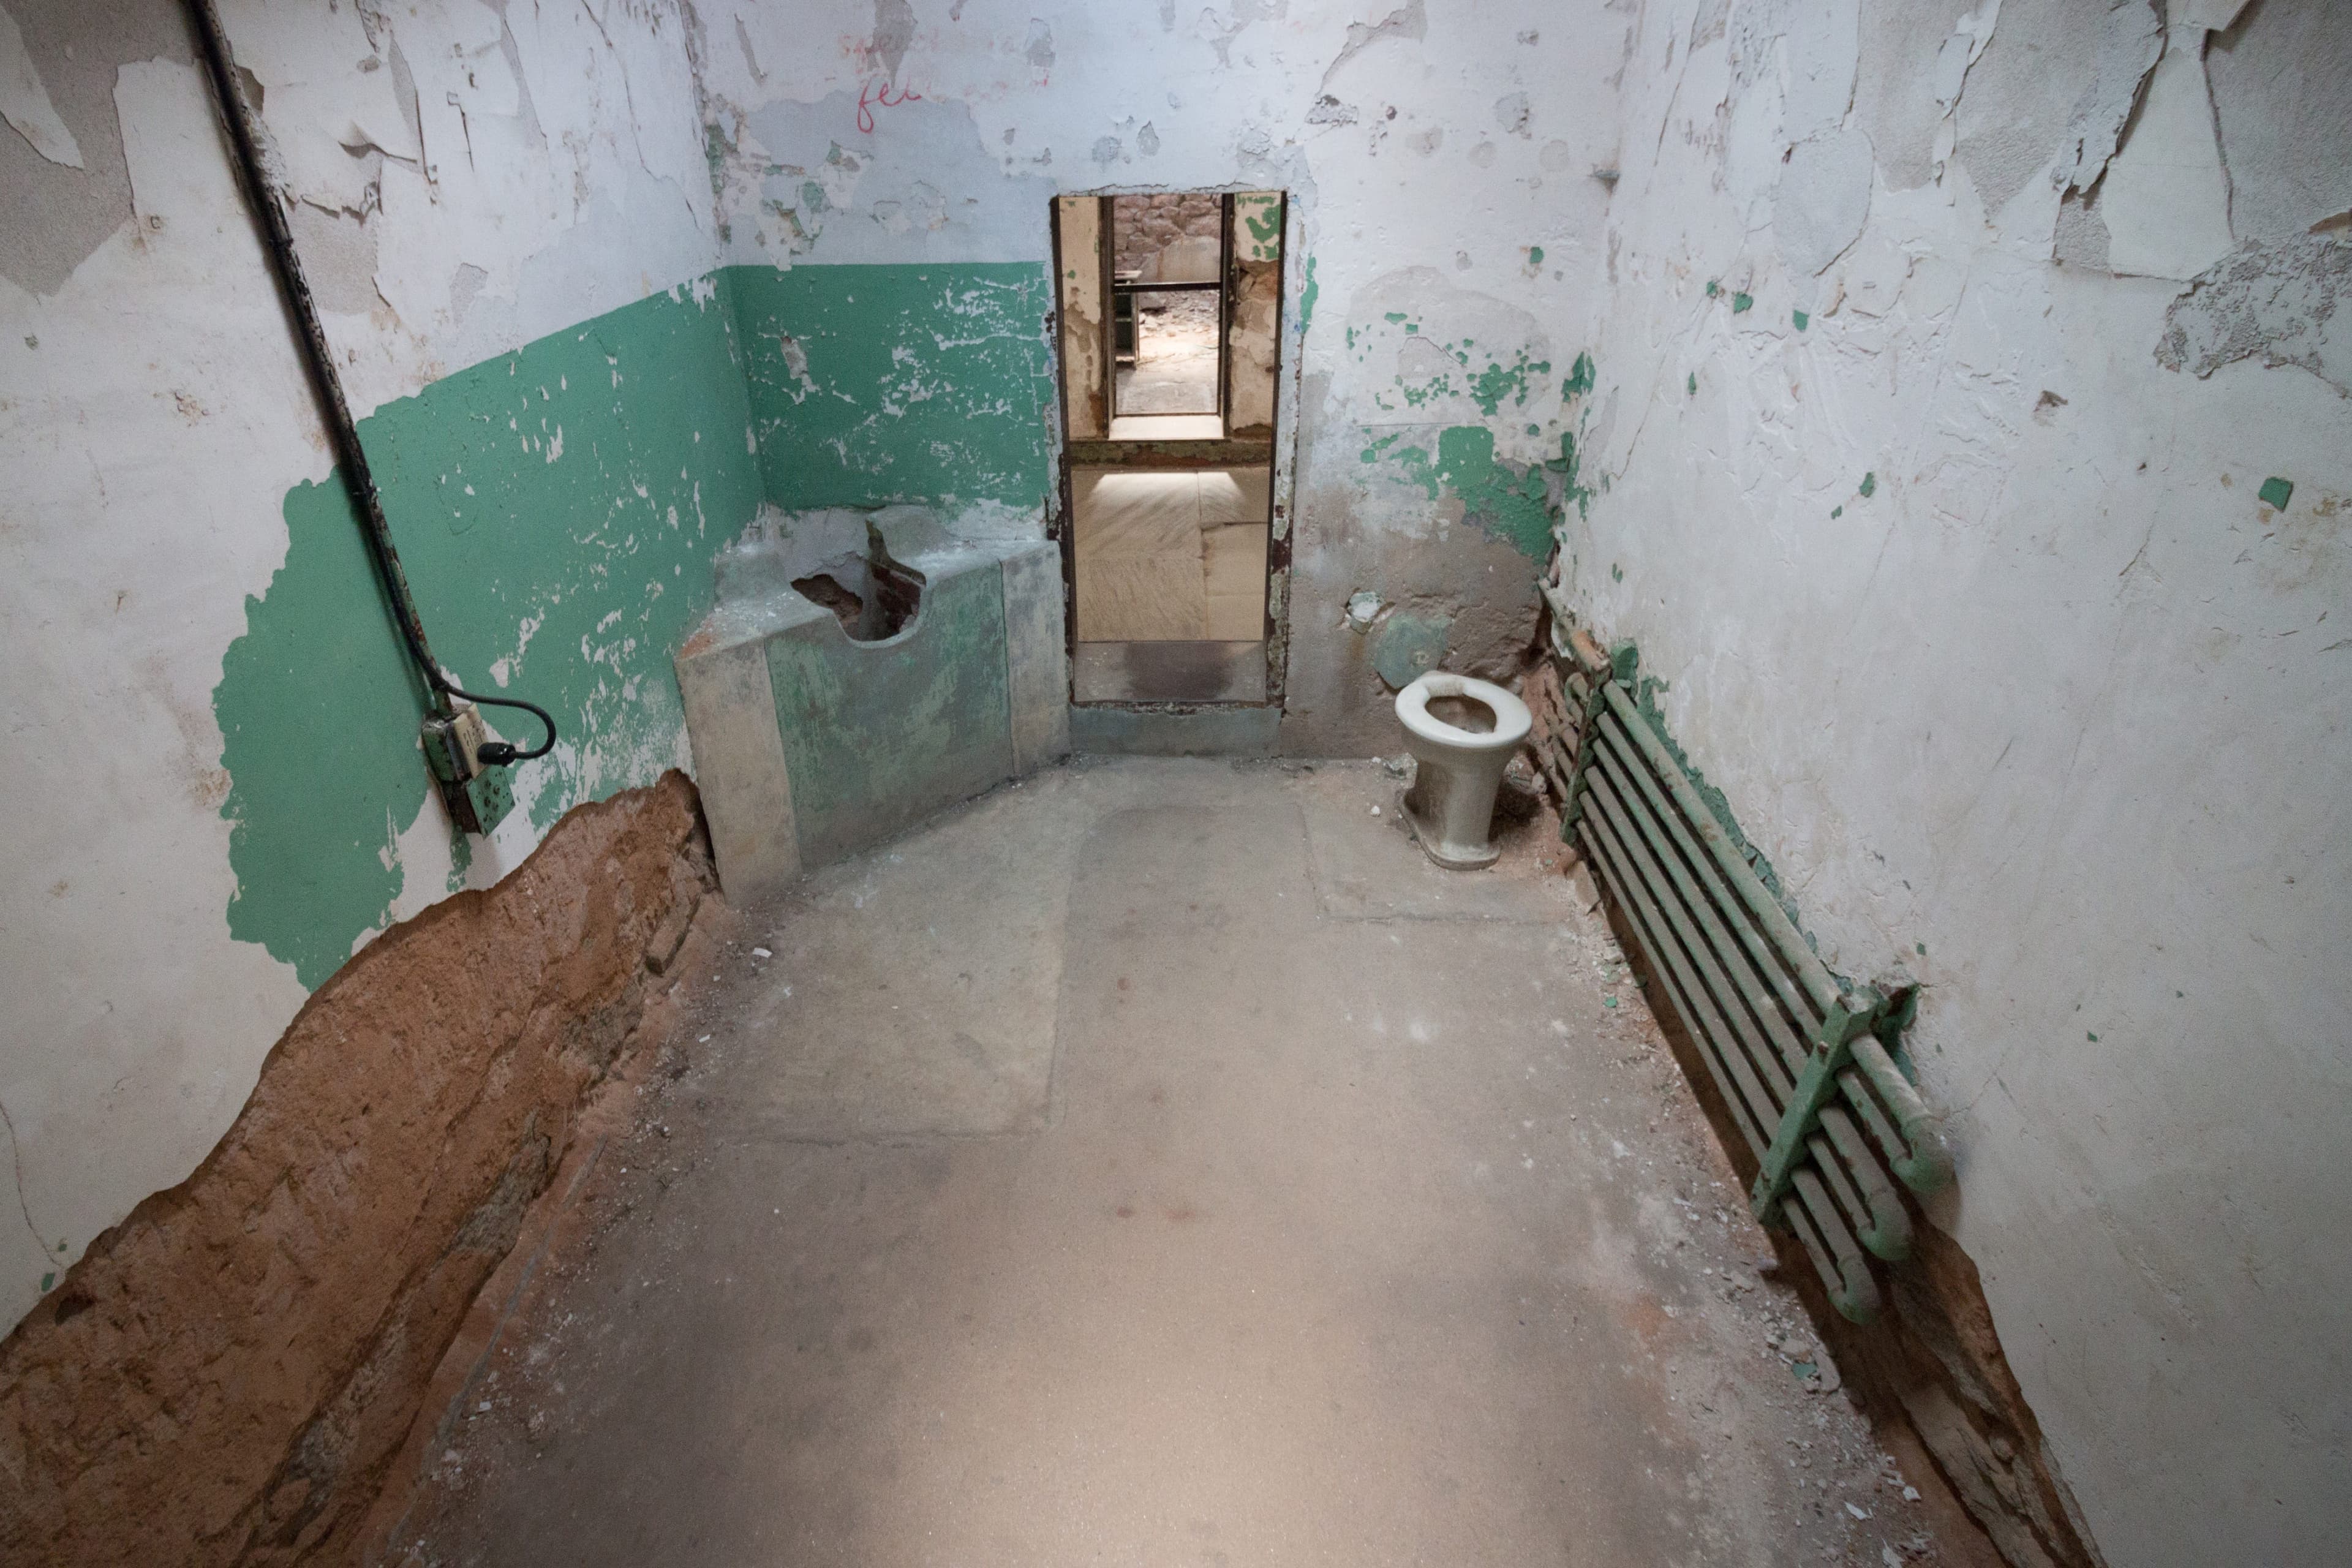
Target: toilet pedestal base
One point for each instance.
(1428, 820)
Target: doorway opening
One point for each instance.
(1170, 314)
(1168, 300)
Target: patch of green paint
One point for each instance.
(1416, 394)
(1535, 255)
(1496, 495)
(1645, 698)
(1741, 301)
(1921, 948)
(1803, 320)
(1407, 646)
(1394, 317)
(1259, 216)
(1568, 466)
(813, 196)
(1579, 377)
(716, 149)
(2090, 1037)
(557, 509)
(1498, 381)
(1895, 1024)
(318, 713)
(1411, 327)
(1836, 512)
(1694, 383)
(1869, 486)
(1616, 572)
(46, 1280)
(873, 385)
(1306, 297)
(1535, 429)
(2275, 492)
(1713, 289)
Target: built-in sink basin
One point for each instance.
(859, 671)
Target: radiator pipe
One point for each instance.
(238, 120)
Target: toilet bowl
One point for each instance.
(1461, 749)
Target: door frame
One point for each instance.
(1277, 452)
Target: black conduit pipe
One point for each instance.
(318, 359)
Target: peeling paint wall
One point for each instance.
(1966, 456)
(506, 213)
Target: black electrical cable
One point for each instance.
(318, 359)
(496, 754)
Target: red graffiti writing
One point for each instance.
(881, 94)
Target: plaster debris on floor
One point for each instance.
(1163, 1156)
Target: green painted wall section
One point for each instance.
(875, 385)
(1507, 500)
(318, 717)
(557, 509)
(1511, 389)
(1408, 646)
(878, 736)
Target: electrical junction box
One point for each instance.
(488, 797)
(453, 745)
(478, 797)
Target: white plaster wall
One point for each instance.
(151, 415)
(2053, 720)
(473, 177)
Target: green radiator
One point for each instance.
(1801, 1058)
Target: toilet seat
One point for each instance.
(1512, 719)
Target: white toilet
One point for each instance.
(1462, 733)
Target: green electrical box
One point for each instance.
(489, 795)
(478, 797)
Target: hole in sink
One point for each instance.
(871, 597)
(824, 589)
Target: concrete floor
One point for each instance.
(1160, 1162)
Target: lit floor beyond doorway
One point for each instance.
(1169, 592)
(1175, 365)
(1161, 1162)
